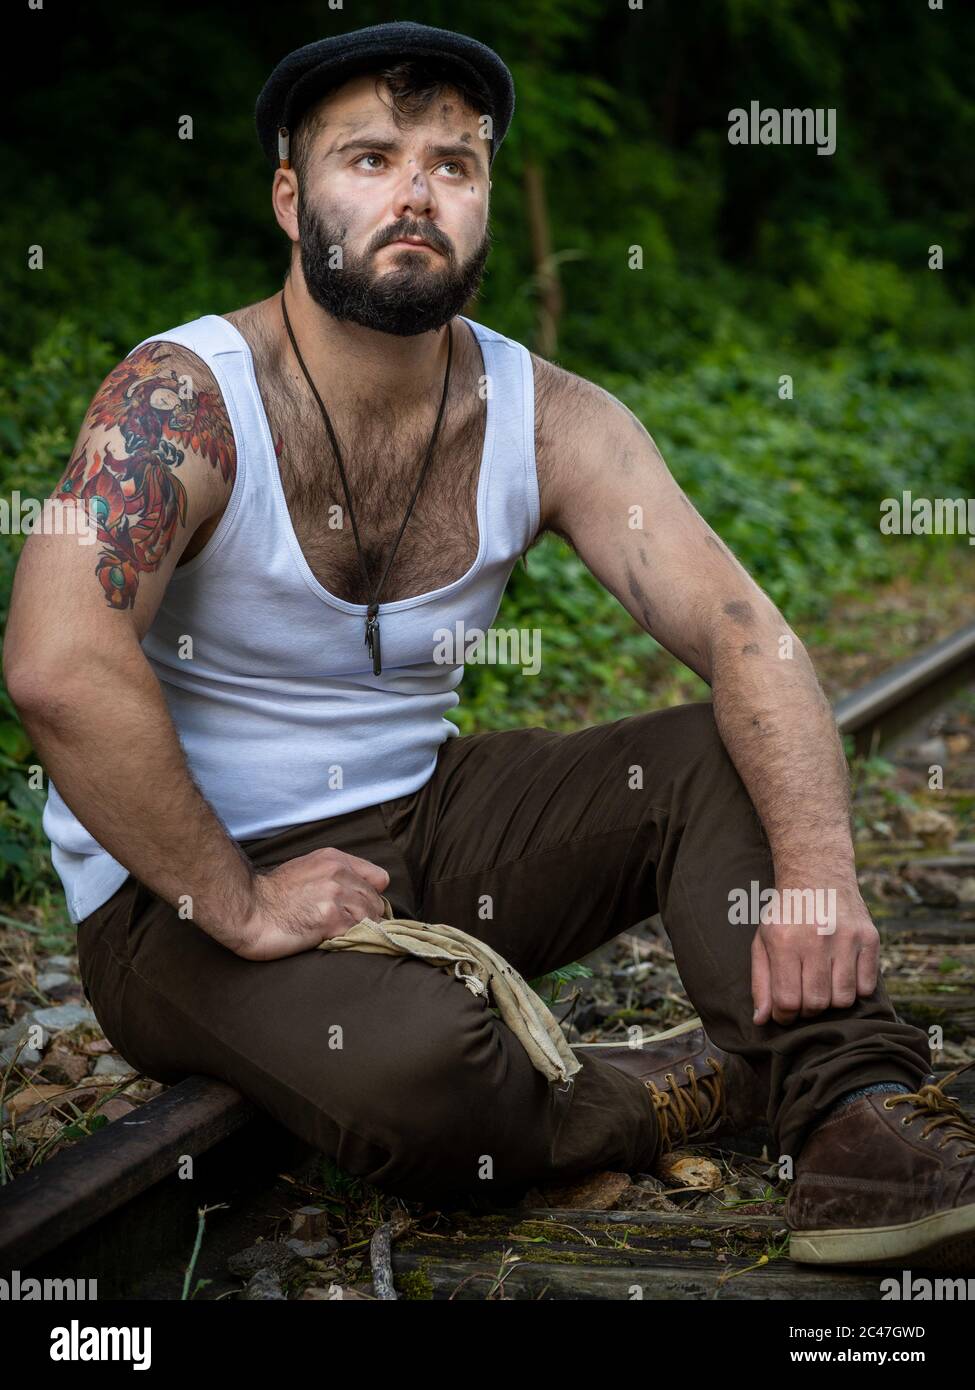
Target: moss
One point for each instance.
(546, 1242)
(488, 1227)
(415, 1283)
(923, 1015)
(552, 1254)
(533, 1228)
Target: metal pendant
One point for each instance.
(372, 638)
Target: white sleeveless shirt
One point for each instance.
(281, 718)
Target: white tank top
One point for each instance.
(281, 718)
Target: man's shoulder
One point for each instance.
(561, 394)
(196, 339)
(567, 411)
(194, 349)
(216, 332)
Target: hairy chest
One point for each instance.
(383, 459)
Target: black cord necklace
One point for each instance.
(372, 612)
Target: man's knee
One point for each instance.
(689, 732)
(443, 1081)
(465, 1108)
(703, 773)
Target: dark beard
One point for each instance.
(405, 300)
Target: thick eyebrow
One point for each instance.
(449, 151)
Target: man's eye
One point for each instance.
(447, 163)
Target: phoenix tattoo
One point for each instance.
(136, 501)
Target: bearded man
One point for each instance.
(245, 721)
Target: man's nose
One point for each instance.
(414, 193)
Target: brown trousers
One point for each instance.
(542, 845)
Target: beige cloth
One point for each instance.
(525, 1013)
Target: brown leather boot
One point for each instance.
(888, 1178)
(699, 1091)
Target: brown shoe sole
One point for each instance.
(944, 1240)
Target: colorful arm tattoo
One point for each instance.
(136, 500)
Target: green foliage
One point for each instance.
(548, 987)
(589, 644)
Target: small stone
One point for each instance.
(111, 1065)
(688, 1170)
(645, 1195)
(309, 1223)
(27, 1057)
(63, 1016)
(933, 828)
(117, 1108)
(144, 1088)
(16, 1031)
(267, 1254)
(57, 963)
(52, 979)
(263, 1287)
(64, 1066)
(598, 1192)
(40, 1130)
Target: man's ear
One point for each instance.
(284, 196)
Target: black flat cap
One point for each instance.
(308, 73)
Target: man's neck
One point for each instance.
(358, 363)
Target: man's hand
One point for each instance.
(801, 968)
(305, 901)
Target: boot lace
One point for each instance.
(943, 1110)
(686, 1109)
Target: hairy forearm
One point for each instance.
(778, 727)
(106, 739)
